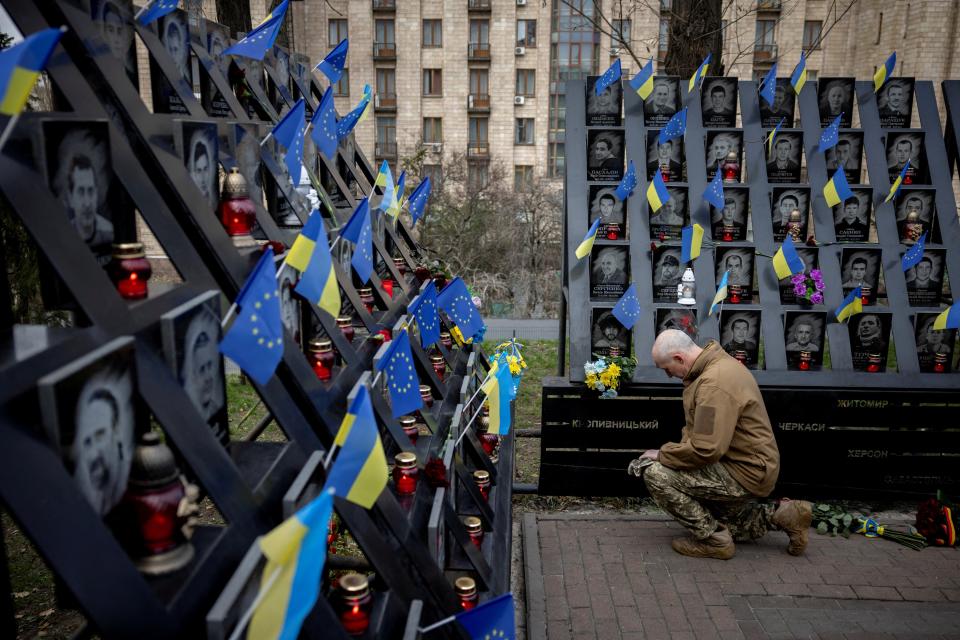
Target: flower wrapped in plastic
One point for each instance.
(606, 373)
(809, 287)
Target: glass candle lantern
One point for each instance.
(481, 478)
(491, 446)
(613, 351)
(387, 285)
(426, 395)
(439, 365)
(741, 356)
(366, 297)
(731, 168)
(940, 363)
(806, 360)
(865, 293)
(401, 265)
(409, 425)
(727, 234)
(873, 362)
(346, 327)
(355, 603)
(130, 270)
(795, 225)
(912, 228)
(405, 473)
(613, 231)
(736, 294)
(466, 589)
(475, 529)
(385, 334)
(237, 211)
(446, 339)
(322, 358)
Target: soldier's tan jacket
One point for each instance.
(727, 422)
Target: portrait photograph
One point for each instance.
(605, 154)
(607, 336)
(902, 147)
(246, 153)
(783, 164)
(782, 108)
(605, 206)
(300, 73)
(851, 218)
(201, 157)
(172, 29)
(835, 96)
(740, 336)
(668, 157)
(211, 98)
(869, 340)
(217, 41)
(739, 262)
(895, 103)
(935, 347)
(191, 338)
(785, 202)
(861, 268)
(667, 272)
(252, 70)
(667, 223)
(847, 153)
(915, 214)
(88, 411)
(680, 319)
(718, 97)
(663, 102)
(609, 271)
(804, 339)
(279, 62)
(925, 279)
(730, 223)
(604, 110)
(811, 260)
(289, 301)
(114, 19)
(719, 145)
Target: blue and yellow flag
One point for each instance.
(837, 190)
(914, 254)
(154, 10)
(256, 43)
(627, 184)
(948, 319)
(799, 76)
(786, 262)
(426, 311)
(657, 192)
(884, 72)
(324, 122)
(401, 188)
(418, 199)
(388, 202)
(359, 472)
(20, 66)
(288, 133)
(318, 282)
(296, 552)
(721, 294)
(346, 124)
(675, 127)
(627, 310)
(302, 249)
(359, 231)
(698, 75)
(402, 381)
(493, 620)
(332, 65)
(772, 136)
(455, 301)
(586, 245)
(895, 187)
(831, 135)
(498, 388)
(609, 76)
(642, 83)
(768, 88)
(714, 191)
(691, 239)
(851, 305)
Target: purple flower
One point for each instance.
(819, 285)
(817, 298)
(797, 278)
(816, 274)
(799, 290)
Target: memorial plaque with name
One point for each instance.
(847, 154)
(851, 218)
(719, 146)
(212, 100)
(804, 339)
(925, 279)
(811, 260)
(785, 201)
(604, 205)
(114, 20)
(740, 336)
(669, 220)
(666, 273)
(935, 347)
(915, 213)
(895, 103)
(783, 164)
(604, 110)
(719, 102)
(835, 97)
(663, 101)
(902, 147)
(200, 156)
(607, 335)
(739, 262)
(861, 268)
(668, 157)
(869, 339)
(176, 40)
(605, 154)
(683, 319)
(730, 223)
(784, 102)
(609, 269)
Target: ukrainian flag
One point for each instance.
(498, 387)
(721, 294)
(837, 190)
(368, 97)
(698, 75)
(359, 472)
(657, 192)
(895, 187)
(642, 83)
(587, 243)
(318, 282)
(852, 305)
(20, 66)
(884, 72)
(290, 583)
(949, 319)
(786, 262)
(799, 77)
(302, 249)
(691, 239)
(772, 137)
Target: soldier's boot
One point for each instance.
(794, 517)
(718, 545)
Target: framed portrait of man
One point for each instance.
(925, 279)
(847, 153)
(785, 202)
(200, 152)
(605, 154)
(738, 261)
(609, 271)
(740, 336)
(935, 347)
(895, 103)
(175, 37)
(668, 157)
(211, 98)
(681, 319)
(869, 340)
(730, 223)
(607, 336)
(861, 268)
(279, 61)
(811, 260)
(669, 220)
(663, 101)
(916, 209)
(290, 301)
(605, 206)
(851, 218)
(782, 108)
(719, 145)
(718, 97)
(191, 338)
(902, 147)
(804, 339)
(88, 411)
(667, 272)
(783, 162)
(603, 110)
(114, 20)
(246, 154)
(835, 98)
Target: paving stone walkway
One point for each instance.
(616, 577)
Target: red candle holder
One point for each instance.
(129, 270)
(665, 173)
(387, 286)
(940, 363)
(873, 363)
(736, 294)
(491, 446)
(409, 425)
(865, 294)
(446, 339)
(355, 603)
(386, 334)
(613, 231)
(346, 327)
(439, 365)
(741, 356)
(481, 478)
(422, 273)
(466, 589)
(237, 211)
(401, 266)
(426, 395)
(908, 179)
(728, 234)
(332, 531)
(806, 360)
(366, 297)
(731, 168)
(475, 529)
(405, 473)
(322, 358)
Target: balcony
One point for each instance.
(384, 50)
(478, 150)
(480, 6)
(385, 101)
(769, 5)
(478, 51)
(385, 149)
(384, 5)
(478, 102)
(764, 52)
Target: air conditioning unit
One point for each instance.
(520, 51)
(434, 147)
(519, 100)
(615, 51)
(470, 101)
(521, 3)
(376, 101)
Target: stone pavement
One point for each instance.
(616, 578)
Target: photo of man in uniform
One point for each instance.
(784, 167)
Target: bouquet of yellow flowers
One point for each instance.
(605, 373)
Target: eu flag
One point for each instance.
(627, 309)
(402, 381)
(609, 76)
(359, 231)
(261, 39)
(359, 473)
(426, 312)
(255, 340)
(418, 199)
(20, 66)
(627, 184)
(154, 10)
(324, 123)
(493, 619)
(675, 127)
(455, 301)
(769, 86)
(346, 124)
(714, 192)
(332, 65)
(914, 254)
(830, 135)
(288, 133)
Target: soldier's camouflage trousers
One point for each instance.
(700, 498)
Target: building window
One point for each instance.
(526, 82)
(337, 31)
(385, 33)
(527, 33)
(386, 143)
(477, 175)
(432, 33)
(434, 172)
(664, 34)
(479, 82)
(555, 159)
(432, 82)
(432, 130)
(522, 177)
(342, 86)
(811, 34)
(478, 131)
(387, 83)
(621, 33)
(765, 32)
(479, 32)
(524, 131)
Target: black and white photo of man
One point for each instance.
(666, 223)
(201, 373)
(247, 153)
(869, 334)
(668, 157)
(846, 154)
(605, 160)
(811, 259)
(719, 146)
(803, 339)
(115, 21)
(835, 96)
(730, 223)
(604, 205)
(201, 149)
(289, 303)
(608, 272)
(860, 268)
(719, 101)
(175, 39)
(739, 262)
(217, 41)
(738, 335)
(663, 100)
(281, 67)
(925, 279)
(851, 218)
(608, 332)
(666, 273)
(903, 147)
(895, 102)
(784, 165)
(603, 109)
(934, 342)
(782, 108)
(785, 201)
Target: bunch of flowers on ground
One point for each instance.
(606, 372)
(809, 287)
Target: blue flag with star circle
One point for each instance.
(426, 311)
(402, 381)
(493, 620)
(261, 39)
(456, 302)
(359, 231)
(324, 122)
(768, 88)
(609, 76)
(714, 192)
(289, 134)
(830, 135)
(332, 65)
(255, 340)
(913, 255)
(627, 309)
(675, 127)
(418, 199)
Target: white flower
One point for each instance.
(477, 302)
